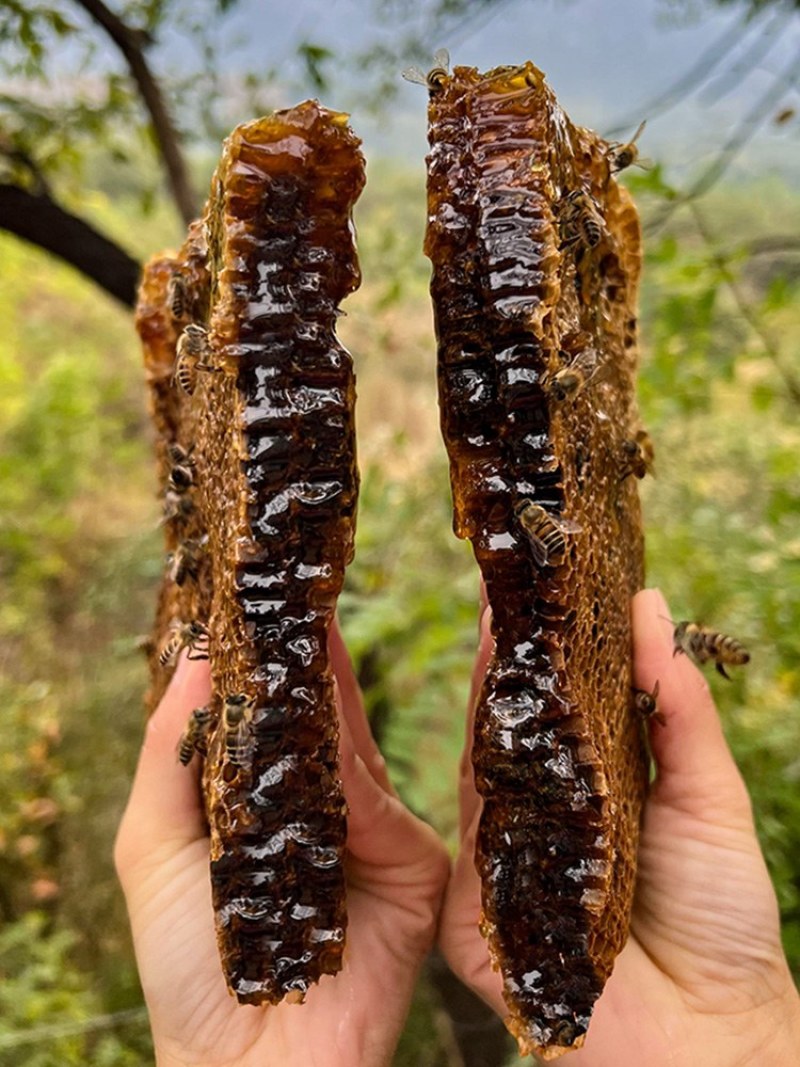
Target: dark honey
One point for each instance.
(525, 290)
(271, 422)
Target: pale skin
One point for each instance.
(702, 981)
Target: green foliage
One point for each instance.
(79, 558)
(43, 995)
(314, 58)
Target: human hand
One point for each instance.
(397, 870)
(703, 979)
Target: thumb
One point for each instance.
(165, 807)
(695, 768)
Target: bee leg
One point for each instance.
(197, 653)
(721, 670)
(659, 718)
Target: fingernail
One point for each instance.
(662, 602)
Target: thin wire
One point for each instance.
(56, 1030)
(688, 82)
(747, 62)
(469, 24)
(736, 142)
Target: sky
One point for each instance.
(608, 60)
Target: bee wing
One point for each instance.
(538, 547)
(569, 526)
(587, 360)
(415, 75)
(244, 739)
(639, 131)
(441, 58)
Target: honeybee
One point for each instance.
(580, 220)
(177, 505)
(638, 455)
(701, 644)
(181, 477)
(178, 455)
(237, 714)
(571, 380)
(546, 533)
(193, 349)
(645, 704)
(177, 296)
(192, 635)
(625, 155)
(145, 644)
(436, 76)
(185, 561)
(194, 737)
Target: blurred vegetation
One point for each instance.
(80, 559)
(80, 550)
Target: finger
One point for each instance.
(463, 947)
(351, 703)
(469, 801)
(695, 764)
(483, 598)
(164, 807)
(390, 849)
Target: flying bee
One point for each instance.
(645, 704)
(638, 455)
(192, 635)
(625, 155)
(177, 296)
(701, 644)
(580, 220)
(195, 737)
(571, 380)
(237, 713)
(436, 76)
(185, 561)
(192, 353)
(546, 533)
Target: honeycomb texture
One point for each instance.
(519, 296)
(276, 483)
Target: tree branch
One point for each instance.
(40, 220)
(131, 42)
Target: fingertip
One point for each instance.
(189, 688)
(164, 805)
(692, 756)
